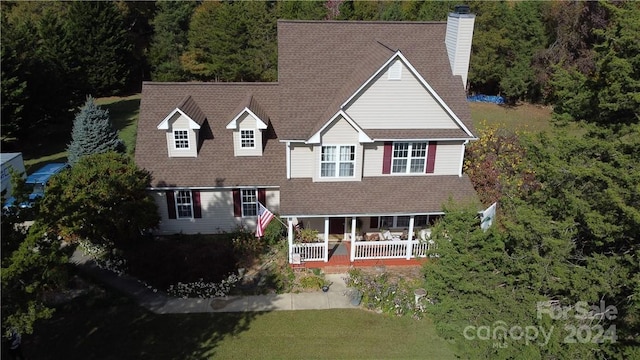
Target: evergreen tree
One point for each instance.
(171, 25)
(92, 133)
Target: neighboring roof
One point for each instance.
(372, 195)
(6, 157)
(215, 163)
(43, 174)
(322, 63)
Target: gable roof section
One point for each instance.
(215, 164)
(250, 106)
(362, 136)
(398, 56)
(188, 108)
(322, 63)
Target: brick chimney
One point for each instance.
(458, 40)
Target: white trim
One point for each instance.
(175, 140)
(162, 188)
(288, 157)
(423, 139)
(253, 139)
(175, 204)
(338, 161)
(362, 136)
(424, 83)
(164, 124)
(361, 215)
(242, 203)
(464, 146)
(233, 125)
(410, 157)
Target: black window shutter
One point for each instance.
(197, 207)
(171, 204)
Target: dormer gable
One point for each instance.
(249, 126)
(182, 127)
(316, 138)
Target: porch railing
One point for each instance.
(391, 249)
(310, 251)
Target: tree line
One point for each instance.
(54, 54)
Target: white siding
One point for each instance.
(217, 213)
(179, 122)
(448, 158)
(373, 155)
(340, 132)
(247, 122)
(398, 104)
(302, 161)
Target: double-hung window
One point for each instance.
(181, 139)
(338, 161)
(247, 139)
(409, 157)
(249, 198)
(184, 204)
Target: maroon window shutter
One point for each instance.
(237, 203)
(386, 157)
(431, 156)
(262, 196)
(171, 204)
(197, 207)
(373, 222)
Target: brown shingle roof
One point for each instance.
(216, 164)
(189, 107)
(384, 195)
(322, 63)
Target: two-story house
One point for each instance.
(365, 130)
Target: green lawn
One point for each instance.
(534, 118)
(112, 327)
(124, 117)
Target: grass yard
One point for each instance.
(48, 148)
(108, 326)
(534, 118)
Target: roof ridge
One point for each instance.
(205, 83)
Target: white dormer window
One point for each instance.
(181, 139)
(338, 161)
(247, 139)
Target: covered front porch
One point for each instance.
(357, 239)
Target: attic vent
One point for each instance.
(395, 71)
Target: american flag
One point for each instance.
(264, 217)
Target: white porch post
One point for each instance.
(326, 239)
(290, 238)
(410, 238)
(353, 239)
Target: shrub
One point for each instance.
(203, 289)
(381, 293)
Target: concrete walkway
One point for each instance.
(160, 303)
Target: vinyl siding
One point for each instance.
(179, 122)
(340, 132)
(217, 213)
(398, 104)
(302, 161)
(247, 122)
(448, 158)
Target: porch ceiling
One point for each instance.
(384, 195)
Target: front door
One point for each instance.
(336, 228)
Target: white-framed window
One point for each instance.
(247, 139)
(409, 157)
(249, 199)
(338, 161)
(184, 204)
(181, 139)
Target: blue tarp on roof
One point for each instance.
(486, 98)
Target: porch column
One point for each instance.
(353, 238)
(290, 238)
(410, 238)
(326, 239)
